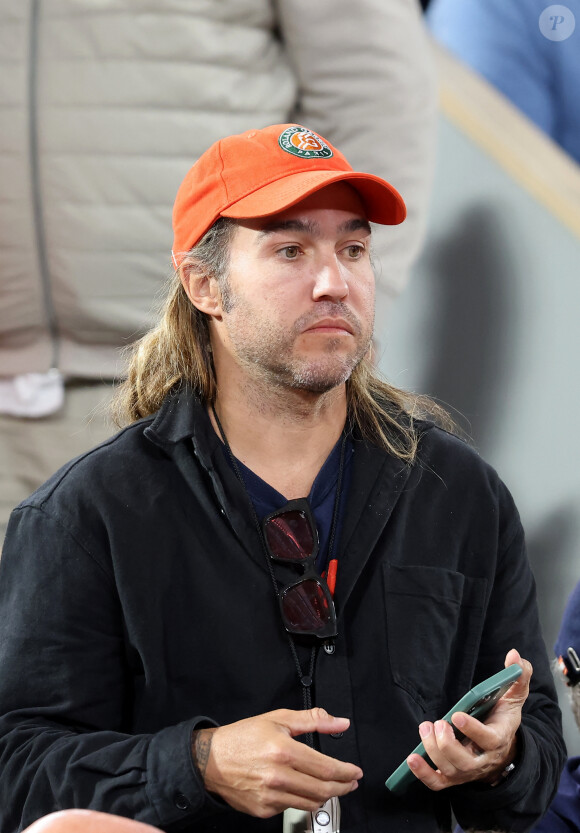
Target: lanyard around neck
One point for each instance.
(306, 680)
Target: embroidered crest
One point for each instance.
(304, 143)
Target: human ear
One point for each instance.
(201, 288)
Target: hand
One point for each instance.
(491, 746)
(258, 768)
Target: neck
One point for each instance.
(282, 435)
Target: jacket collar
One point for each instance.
(177, 419)
(378, 479)
(182, 428)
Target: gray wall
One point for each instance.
(489, 325)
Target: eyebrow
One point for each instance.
(311, 228)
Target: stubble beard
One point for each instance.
(321, 376)
(272, 359)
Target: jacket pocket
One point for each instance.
(434, 623)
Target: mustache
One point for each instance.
(328, 309)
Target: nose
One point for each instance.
(330, 281)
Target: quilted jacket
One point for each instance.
(105, 105)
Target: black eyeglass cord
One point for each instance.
(306, 680)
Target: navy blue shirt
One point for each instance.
(321, 498)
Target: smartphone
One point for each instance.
(478, 702)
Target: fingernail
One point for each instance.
(459, 720)
(354, 786)
(440, 728)
(412, 764)
(425, 730)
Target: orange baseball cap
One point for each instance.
(263, 172)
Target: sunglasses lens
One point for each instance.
(289, 536)
(306, 608)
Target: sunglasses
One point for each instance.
(292, 538)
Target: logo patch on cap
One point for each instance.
(304, 143)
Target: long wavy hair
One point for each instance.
(177, 352)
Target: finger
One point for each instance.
(432, 778)
(430, 742)
(313, 763)
(445, 751)
(311, 805)
(278, 800)
(310, 720)
(280, 786)
(309, 793)
(318, 720)
(454, 763)
(520, 689)
(484, 736)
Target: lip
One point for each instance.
(330, 325)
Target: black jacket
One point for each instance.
(135, 604)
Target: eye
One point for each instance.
(290, 252)
(354, 251)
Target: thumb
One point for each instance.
(313, 720)
(521, 687)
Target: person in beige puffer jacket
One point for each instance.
(102, 110)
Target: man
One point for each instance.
(528, 49)
(563, 815)
(241, 607)
(106, 106)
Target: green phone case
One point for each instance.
(478, 702)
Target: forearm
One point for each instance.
(200, 750)
(149, 778)
(70, 733)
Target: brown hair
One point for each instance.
(178, 351)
